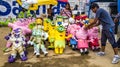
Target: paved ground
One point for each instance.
(68, 59)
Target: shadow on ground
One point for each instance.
(55, 62)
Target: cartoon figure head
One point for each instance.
(71, 20)
(83, 16)
(17, 32)
(77, 19)
(86, 21)
(39, 21)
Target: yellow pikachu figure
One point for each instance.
(60, 37)
(51, 33)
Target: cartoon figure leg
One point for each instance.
(73, 43)
(37, 50)
(56, 50)
(44, 50)
(13, 55)
(59, 46)
(83, 46)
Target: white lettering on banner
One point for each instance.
(11, 8)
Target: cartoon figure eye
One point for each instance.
(59, 23)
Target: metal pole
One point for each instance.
(118, 5)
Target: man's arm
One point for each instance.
(117, 18)
(91, 24)
(98, 23)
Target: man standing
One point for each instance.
(117, 19)
(102, 17)
(50, 12)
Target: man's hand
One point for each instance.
(115, 20)
(86, 27)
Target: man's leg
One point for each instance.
(102, 48)
(118, 43)
(111, 38)
(116, 31)
(103, 40)
(103, 43)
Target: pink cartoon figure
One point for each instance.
(78, 21)
(94, 39)
(84, 18)
(23, 24)
(72, 28)
(82, 42)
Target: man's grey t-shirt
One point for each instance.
(105, 19)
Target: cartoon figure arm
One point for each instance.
(69, 36)
(74, 37)
(23, 40)
(27, 30)
(31, 41)
(44, 35)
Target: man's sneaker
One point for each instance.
(100, 53)
(115, 59)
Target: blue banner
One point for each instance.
(11, 8)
